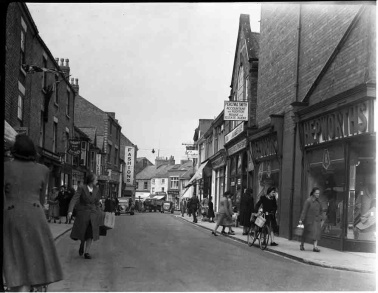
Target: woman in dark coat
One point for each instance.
(63, 205)
(246, 209)
(311, 218)
(86, 201)
(210, 213)
(30, 258)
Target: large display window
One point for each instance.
(326, 170)
(362, 192)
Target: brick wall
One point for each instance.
(34, 97)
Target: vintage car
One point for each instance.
(168, 206)
(124, 207)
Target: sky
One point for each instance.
(159, 66)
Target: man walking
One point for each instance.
(193, 206)
(183, 206)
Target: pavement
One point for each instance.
(328, 258)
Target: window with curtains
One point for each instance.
(174, 182)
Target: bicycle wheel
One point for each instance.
(264, 238)
(251, 237)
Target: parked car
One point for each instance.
(168, 206)
(150, 205)
(124, 207)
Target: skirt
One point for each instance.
(224, 220)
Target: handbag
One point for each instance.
(260, 221)
(109, 220)
(298, 231)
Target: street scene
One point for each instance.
(168, 253)
(193, 147)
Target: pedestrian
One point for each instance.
(246, 209)
(30, 259)
(228, 222)
(88, 214)
(53, 204)
(311, 218)
(68, 196)
(210, 213)
(182, 207)
(193, 206)
(224, 216)
(269, 206)
(205, 208)
(63, 205)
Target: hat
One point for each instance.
(24, 148)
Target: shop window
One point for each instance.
(326, 170)
(362, 196)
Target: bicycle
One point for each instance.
(260, 233)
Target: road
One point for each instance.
(160, 252)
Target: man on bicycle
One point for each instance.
(269, 206)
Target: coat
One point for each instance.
(53, 206)
(246, 209)
(88, 211)
(311, 217)
(29, 253)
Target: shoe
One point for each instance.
(273, 244)
(301, 247)
(245, 233)
(316, 249)
(231, 233)
(212, 222)
(81, 250)
(215, 234)
(87, 256)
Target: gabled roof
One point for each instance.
(89, 131)
(147, 173)
(162, 171)
(252, 40)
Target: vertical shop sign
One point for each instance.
(98, 164)
(261, 170)
(268, 169)
(129, 172)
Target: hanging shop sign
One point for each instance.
(192, 154)
(129, 172)
(237, 147)
(234, 133)
(74, 147)
(236, 111)
(345, 122)
(264, 147)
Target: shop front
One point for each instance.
(54, 163)
(218, 163)
(339, 149)
(237, 162)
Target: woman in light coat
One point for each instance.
(30, 259)
(311, 218)
(224, 216)
(86, 202)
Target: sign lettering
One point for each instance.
(129, 172)
(235, 110)
(345, 122)
(234, 133)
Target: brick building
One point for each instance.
(316, 95)
(39, 104)
(108, 132)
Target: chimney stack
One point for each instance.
(65, 67)
(75, 85)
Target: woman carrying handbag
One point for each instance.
(311, 217)
(86, 227)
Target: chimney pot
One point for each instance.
(77, 81)
(57, 60)
(67, 62)
(72, 80)
(61, 61)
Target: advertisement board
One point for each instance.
(236, 110)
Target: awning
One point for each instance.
(142, 195)
(188, 193)
(198, 174)
(9, 135)
(158, 196)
